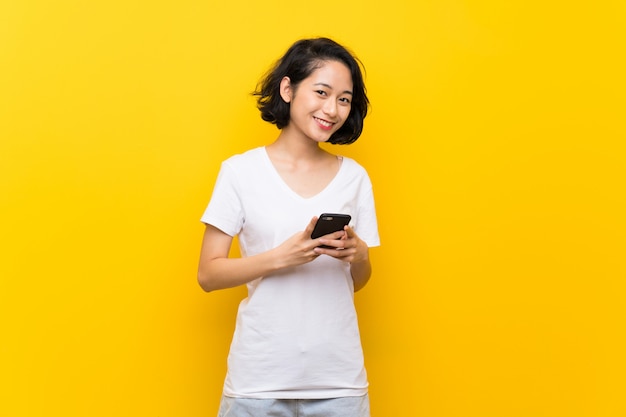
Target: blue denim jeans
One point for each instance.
(331, 407)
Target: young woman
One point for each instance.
(296, 350)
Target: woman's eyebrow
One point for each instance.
(328, 86)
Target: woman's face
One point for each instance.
(321, 103)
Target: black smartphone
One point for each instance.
(329, 223)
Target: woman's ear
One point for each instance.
(285, 89)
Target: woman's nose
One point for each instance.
(330, 107)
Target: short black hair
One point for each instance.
(300, 60)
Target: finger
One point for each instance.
(349, 232)
(340, 234)
(330, 251)
(331, 244)
(338, 253)
(309, 228)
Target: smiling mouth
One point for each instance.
(324, 123)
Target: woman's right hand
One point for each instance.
(298, 249)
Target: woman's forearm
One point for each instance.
(361, 272)
(223, 272)
(217, 271)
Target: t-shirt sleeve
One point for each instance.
(367, 225)
(225, 210)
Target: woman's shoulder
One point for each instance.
(351, 165)
(246, 158)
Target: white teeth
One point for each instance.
(323, 122)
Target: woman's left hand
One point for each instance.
(350, 248)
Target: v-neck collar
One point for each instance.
(288, 189)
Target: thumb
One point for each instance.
(309, 228)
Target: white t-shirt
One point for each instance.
(296, 334)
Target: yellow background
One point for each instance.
(495, 145)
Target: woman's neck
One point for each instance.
(289, 146)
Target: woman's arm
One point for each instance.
(361, 272)
(352, 249)
(217, 271)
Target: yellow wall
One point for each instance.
(495, 145)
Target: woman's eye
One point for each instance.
(345, 100)
(321, 92)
